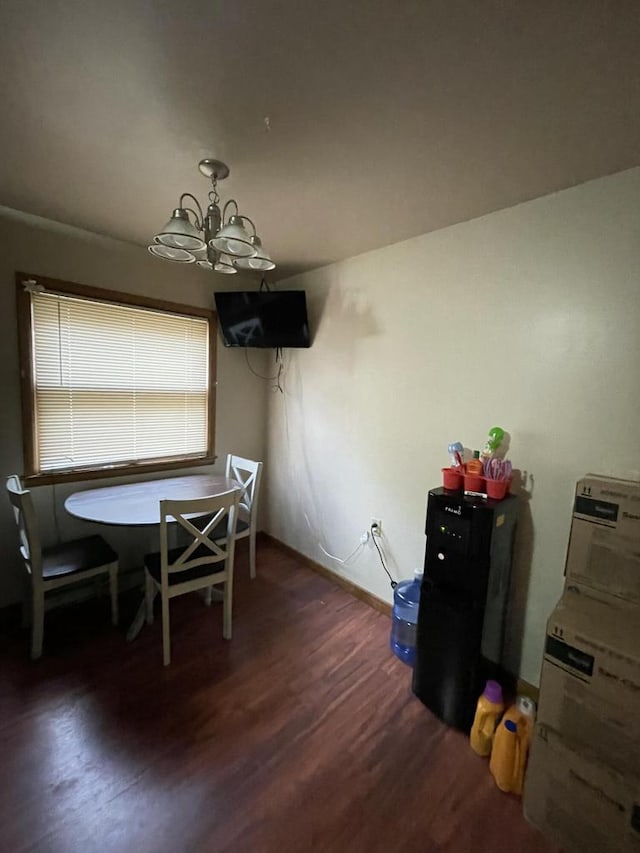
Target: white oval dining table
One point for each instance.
(138, 505)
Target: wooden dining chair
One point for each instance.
(204, 562)
(248, 473)
(58, 565)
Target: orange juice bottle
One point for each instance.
(475, 465)
(511, 746)
(488, 710)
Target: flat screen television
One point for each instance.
(263, 318)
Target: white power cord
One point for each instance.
(343, 562)
(364, 538)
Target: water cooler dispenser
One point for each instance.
(463, 601)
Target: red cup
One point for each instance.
(452, 478)
(497, 489)
(474, 483)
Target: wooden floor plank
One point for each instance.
(300, 734)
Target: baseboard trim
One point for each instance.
(523, 688)
(349, 586)
(519, 685)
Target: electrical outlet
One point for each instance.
(376, 524)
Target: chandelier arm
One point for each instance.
(195, 216)
(250, 221)
(197, 203)
(224, 209)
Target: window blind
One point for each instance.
(116, 384)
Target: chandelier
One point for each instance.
(216, 241)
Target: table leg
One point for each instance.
(211, 593)
(139, 619)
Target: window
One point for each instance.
(112, 382)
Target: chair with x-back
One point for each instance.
(59, 565)
(202, 563)
(247, 473)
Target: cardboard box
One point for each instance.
(589, 719)
(596, 640)
(580, 802)
(590, 686)
(604, 545)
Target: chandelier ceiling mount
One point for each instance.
(215, 170)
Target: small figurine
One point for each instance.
(496, 436)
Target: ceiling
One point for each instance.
(348, 125)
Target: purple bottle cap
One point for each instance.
(493, 692)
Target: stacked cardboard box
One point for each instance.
(583, 781)
(604, 546)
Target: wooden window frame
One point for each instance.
(25, 338)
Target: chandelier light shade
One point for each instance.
(260, 262)
(233, 239)
(202, 258)
(225, 265)
(179, 233)
(168, 253)
(214, 241)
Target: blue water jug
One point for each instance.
(404, 623)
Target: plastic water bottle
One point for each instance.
(404, 624)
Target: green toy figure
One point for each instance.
(496, 436)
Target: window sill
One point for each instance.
(54, 477)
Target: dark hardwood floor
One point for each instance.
(300, 734)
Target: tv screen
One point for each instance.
(263, 318)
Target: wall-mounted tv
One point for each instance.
(263, 318)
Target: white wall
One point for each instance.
(528, 318)
(32, 245)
